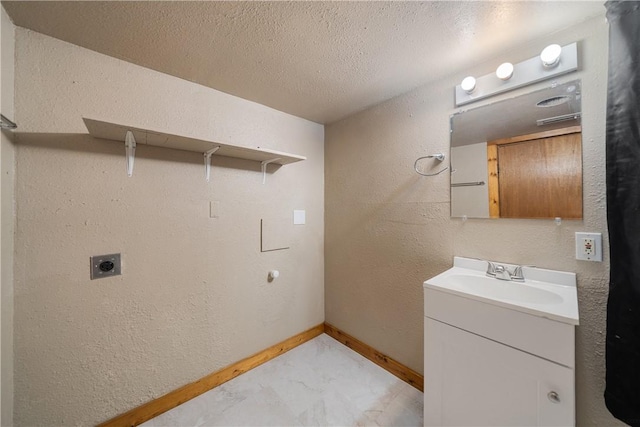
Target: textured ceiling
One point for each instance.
(517, 116)
(317, 60)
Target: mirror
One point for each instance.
(519, 158)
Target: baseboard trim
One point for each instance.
(162, 404)
(401, 371)
(176, 397)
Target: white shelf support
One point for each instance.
(207, 162)
(130, 150)
(264, 168)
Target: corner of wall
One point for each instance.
(7, 197)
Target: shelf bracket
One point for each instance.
(207, 161)
(6, 123)
(264, 168)
(130, 150)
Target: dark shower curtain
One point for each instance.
(622, 394)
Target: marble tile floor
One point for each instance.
(319, 383)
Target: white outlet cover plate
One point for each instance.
(597, 252)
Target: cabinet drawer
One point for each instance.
(542, 337)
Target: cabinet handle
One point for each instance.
(553, 397)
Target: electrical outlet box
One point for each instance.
(589, 246)
(105, 266)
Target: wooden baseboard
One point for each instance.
(396, 368)
(176, 397)
(185, 393)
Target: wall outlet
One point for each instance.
(105, 266)
(589, 246)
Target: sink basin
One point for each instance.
(544, 293)
(503, 290)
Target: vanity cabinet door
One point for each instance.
(473, 381)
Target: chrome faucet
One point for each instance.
(491, 269)
(501, 272)
(517, 275)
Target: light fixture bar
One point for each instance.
(524, 73)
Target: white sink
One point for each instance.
(544, 293)
(498, 352)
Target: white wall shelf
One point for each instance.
(118, 132)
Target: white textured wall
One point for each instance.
(193, 296)
(7, 169)
(388, 229)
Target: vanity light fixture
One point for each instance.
(550, 55)
(556, 61)
(468, 84)
(505, 71)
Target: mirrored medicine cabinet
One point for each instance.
(519, 158)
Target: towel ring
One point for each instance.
(439, 157)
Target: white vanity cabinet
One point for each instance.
(488, 364)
